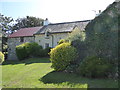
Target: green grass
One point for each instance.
(37, 73)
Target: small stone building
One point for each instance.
(46, 36)
(21, 36)
(50, 35)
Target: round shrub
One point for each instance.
(62, 55)
(1, 57)
(94, 67)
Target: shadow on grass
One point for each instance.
(27, 61)
(60, 77)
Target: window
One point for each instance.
(47, 34)
(46, 45)
(21, 39)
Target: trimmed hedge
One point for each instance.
(94, 67)
(1, 57)
(26, 50)
(62, 55)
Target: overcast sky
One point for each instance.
(55, 10)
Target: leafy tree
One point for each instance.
(5, 25)
(28, 21)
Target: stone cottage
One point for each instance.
(46, 36)
(21, 36)
(50, 35)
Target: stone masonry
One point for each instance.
(13, 42)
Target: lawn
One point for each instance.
(37, 73)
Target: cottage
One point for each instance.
(50, 34)
(21, 36)
(46, 36)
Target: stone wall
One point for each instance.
(41, 39)
(12, 43)
(52, 40)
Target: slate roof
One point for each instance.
(24, 32)
(63, 27)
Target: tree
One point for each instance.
(28, 21)
(5, 25)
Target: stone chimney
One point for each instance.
(46, 22)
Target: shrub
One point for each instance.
(77, 40)
(34, 50)
(62, 41)
(26, 50)
(21, 51)
(1, 57)
(46, 51)
(62, 55)
(94, 67)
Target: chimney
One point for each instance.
(46, 22)
(99, 11)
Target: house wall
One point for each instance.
(41, 40)
(13, 42)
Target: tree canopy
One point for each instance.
(5, 22)
(28, 21)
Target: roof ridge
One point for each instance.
(69, 22)
(30, 27)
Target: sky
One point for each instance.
(55, 10)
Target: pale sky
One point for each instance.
(55, 10)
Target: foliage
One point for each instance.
(94, 67)
(37, 73)
(77, 39)
(76, 35)
(28, 21)
(102, 34)
(46, 51)
(62, 55)
(5, 23)
(26, 50)
(1, 57)
(21, 51)
(62, 41)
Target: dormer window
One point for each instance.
(47, 33)
(21, 39)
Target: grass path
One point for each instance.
(37, 73)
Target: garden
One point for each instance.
(37, 73)
(85, 59)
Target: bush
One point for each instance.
(1, 57)
(26, 50)
(62, 41)
(21, 51)
(77, 40)
(46, 51)
(94, 67)
(62, 55)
